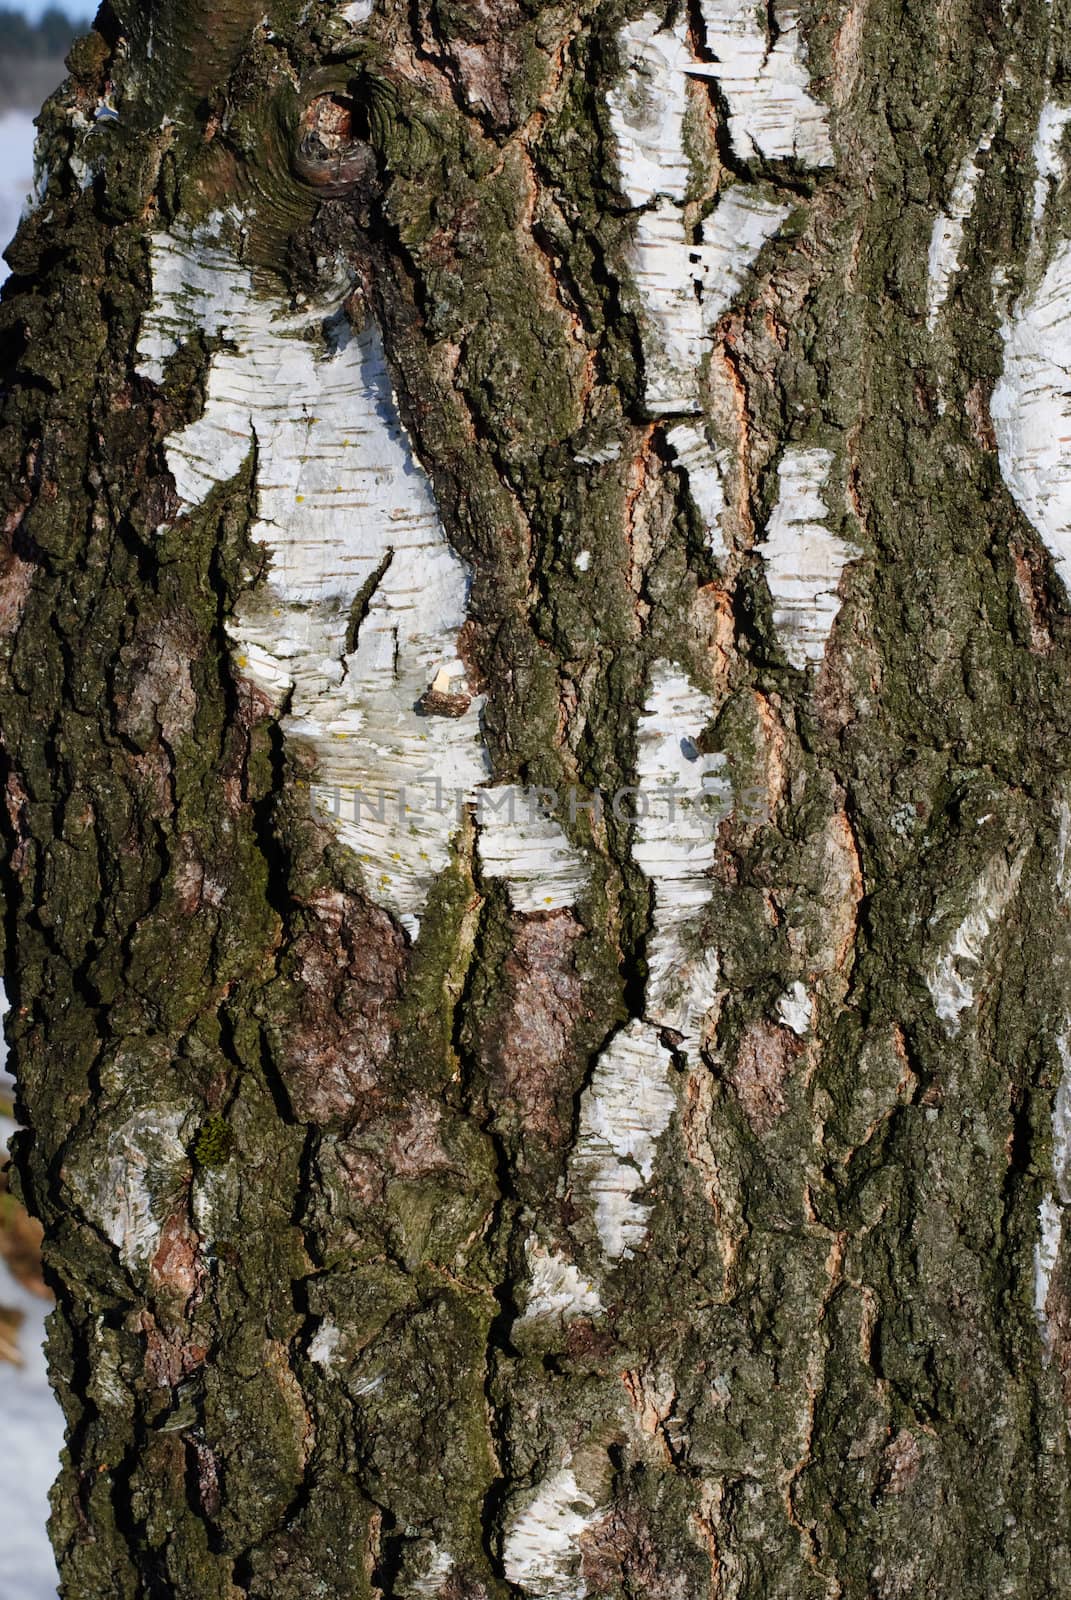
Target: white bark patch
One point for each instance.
(1050, 1213)
(795, 1010)
(1031, 408)
(683, 796)
(952, 979)
(684, 285)
(803, 559)
(519, 843)
(427, 1582)
(541, 1552)
(1053, 1205)
(1063, 849)
(557, 1291)
(764, 79)
(1050, 163)
(359, 12)
(1061, 1125)
(946, 240)
(687, 287)
(340, 499)
(324, 1344)
(647, 111)
(131, 1196)
(705, 469)
(1046, 1251)
(625, 1110)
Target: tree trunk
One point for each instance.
(535, 715)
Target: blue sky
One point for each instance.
(74, 8)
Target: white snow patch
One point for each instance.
(540, 1553)
(624, 1112)
(1031, 408)
(521, 844)
(952, 979)
(16, 172)
(556, 1289)
(341, 499)
(803, 560)
(32, 1425)
(946, 240)
(771, 110)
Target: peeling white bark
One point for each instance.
(795, 1010)
(1046, 1251)
(540, 1551)
(427, 1583)
(1055, 1201)
(525, 847)
(647, 111)
(557, 1291)
(340, 499)
(625, 1110)
(323, 1346)
(683, 797)
(680, 799)
(1053, 1204)
(946, 240)
(132, 1195)
(1050, 161)
(1061, 1125)
(705, 469)
(803, 560)
(1031, 408)
(771, 110)
(684, 285)
(952, 979)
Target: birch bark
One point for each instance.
(535, 713)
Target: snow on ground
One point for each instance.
(31, 1426)
(32, 1430)
(16, 171)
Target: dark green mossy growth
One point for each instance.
(214, 1145)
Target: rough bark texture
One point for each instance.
(495, 1226)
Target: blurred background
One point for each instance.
(33, 43)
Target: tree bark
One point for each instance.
(535, 718)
